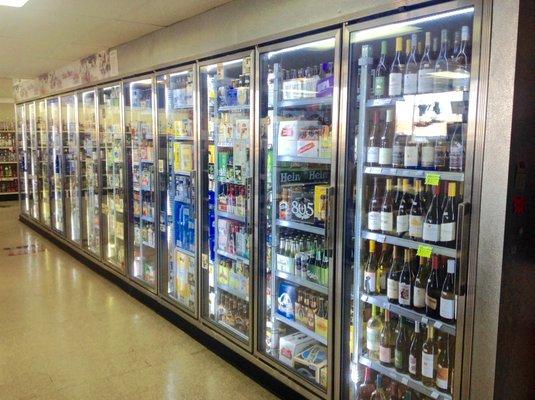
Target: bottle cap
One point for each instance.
(372, 246)
(427, 39)
(414, 39)
(451, 266)
(383, 47)
(452, 189)
(399, 43)
(444, 35)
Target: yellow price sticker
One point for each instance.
(432, 179)
(424, 251)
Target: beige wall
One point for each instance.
(7, 112)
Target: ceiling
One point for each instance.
(47, 34)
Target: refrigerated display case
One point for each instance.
(89, 170)
(412, 82)
(226, 129)
(140, 146)
(177, 150)
(112, 195)
(33, 167)
(298, 98)
(71, 146)
(23, 146)
(55, 150)
(43, 160)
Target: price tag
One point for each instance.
(425, 320)
(364, 298)
(424, 251)
(404, 381)
(438, 324)
(432, 179)
(435, 394)
(365, 361)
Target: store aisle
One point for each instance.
(68, 333)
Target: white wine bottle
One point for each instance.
(395, 78)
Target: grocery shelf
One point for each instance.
(232, 291)
(145, 243)
(382, 302)
(13, 178)
(187, 252)
(302, 282)
(233, 256)
(147, 218)
(308, 160)
(305, 102)
(9, 162)
(414, 173)
(231, 216)
(451, 95)
(7, 193)
(408, 243)
(303, 329)
(404, 379)
(183, 173)
(234, 108)
(181, 138)
(302, 227)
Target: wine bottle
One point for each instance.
(410, 153)
(367, 387)
(394, 390)
(398, 151)
(379, 79)
(401, 356)
(440, 154)
(379, 393)
(395, 78)
(449, 217)
(387, 209)
(370, 270)
(425, 79)
(457, 148)
(374, 209)
(374, 326)
(383, 268)
(420, 284)
(427, 159)
(372, 153)
(429, 358)
(432, 291)
(462, 64)
(410, 80)
(441, 81)
(392, 282)
(447, 296)
(431, 230)
(402, 217)
(385, 149)
(443, 375)
(406, 280)
(387, 345)
(416, 217)
(415, 353)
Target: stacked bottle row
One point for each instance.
(306, 82)
(383, 388)
(232, 199)
(234, 274)
(6, 139)
(9, 187)
(8, 171)
(409, 211)
(401, 345)
(233, 312)
(7, 155)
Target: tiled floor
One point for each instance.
(67, 333)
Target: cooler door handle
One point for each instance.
(462, 243)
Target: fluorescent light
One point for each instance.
(324, 44)
(13, 3)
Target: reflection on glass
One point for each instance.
(226, 127)
(297, 86)
(89, 171)
(34, 167)
(177, 145)
(56, 162)
(43, 160)
(138, 120)
(72, 172)
(23, 142)
(112, 161)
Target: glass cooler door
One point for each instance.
(226, 132)
(33, 170)
(23, 145)
(298, 96)
(410, 134)
(112, 174)
(140, 144)
(87, 114)
(56, 162)
(69, 130)
(43, 158)
(178, 190)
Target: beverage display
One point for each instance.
(55, 138)
(22, 147)
(112, 195)
(227, 137)
(34, 165)
(407, 124)
(89, 170)
(44, 162)
(71, 170)
(178, 188)
(297, 92)
(140, 145)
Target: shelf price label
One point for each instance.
(424, 251)
(432, 179)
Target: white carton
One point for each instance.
(291, 345)
(288, 135)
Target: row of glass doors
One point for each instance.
(228, 188)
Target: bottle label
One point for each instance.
(416, 226)
(411, 156)
(285, 264)
(385, 354)
(425, 80)
(442, 377)
(385, 156)
(447, 232)
(402, 223)
(428, 155)
(392, 288)
(410, 83)
(440, 156)
(369, 282)
(419, 297)
(379, 86)
(430, 302)
(398, 359)
(404, 294)
(431, 232)
(387, 221)
(372, 339)
(395, 80)
(397, 155)
(373, 155)
(456, 156)
(382, 281)
(374, 220)
(441, 84)
(428, 365)
(447, 308)
(412, 364)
